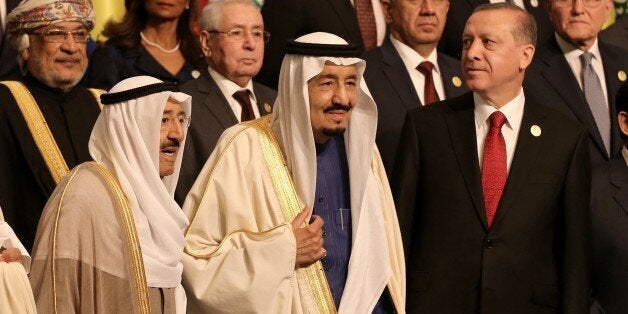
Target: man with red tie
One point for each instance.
(492, 190)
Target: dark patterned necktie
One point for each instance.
(366, 22)
(494, 172)
(242, 96)
(429, 91)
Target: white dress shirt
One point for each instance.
(228, 88)
(572, 55)
(513, 110)
(411, 59)
(380, 21)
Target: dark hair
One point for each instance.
(524, 32)
(126, 33)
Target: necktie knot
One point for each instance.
(242, 96)
(497, 120)
(425, 68)
(585, 58)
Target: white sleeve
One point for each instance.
(8, 239)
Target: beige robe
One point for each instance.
(87, 257)
(240, 250)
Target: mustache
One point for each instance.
(336, 106)
(172, 143)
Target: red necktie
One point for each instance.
(242, 96)
(494, 171)
(366, 22)
(429, 91)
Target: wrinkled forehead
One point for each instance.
(333, 70)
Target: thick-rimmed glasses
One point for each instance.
(237, 35)
(57, 35)
(568, 3)
(167, 121)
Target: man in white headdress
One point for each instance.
(249, 248)
(110, 239)
(15, 290)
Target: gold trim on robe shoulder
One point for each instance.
(97, 92)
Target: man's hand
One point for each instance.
(10, 255)
(309, 239)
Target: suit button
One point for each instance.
(488, 243)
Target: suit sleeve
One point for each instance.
(405, 178)
(576, 258)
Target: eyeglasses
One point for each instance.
(568, 3)
(167, 121)
(57, 35)
(238, 35)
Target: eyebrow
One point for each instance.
(181, 113)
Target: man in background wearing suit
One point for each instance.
(579, 75)
(461, 10)
(609, 220)
(496, 225)
(232, 39)
(9, 69)
(407, 71)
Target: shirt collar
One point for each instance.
(411, 58)
(624, 152)
(227, 86)
(572, 52)
(513, 110)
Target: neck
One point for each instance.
(583, 44)
(423, 49)
(162, 33)
(500, 98)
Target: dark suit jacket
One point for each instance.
(617, 34)
(609, 219)
(550, 81)
(211, 115)
(9, 69)
(534, 258)
(289, 19)
(391, 87)
(460, 10)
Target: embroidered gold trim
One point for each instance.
(97, 92)
(39, 130)
(291, 206)
(125, 215)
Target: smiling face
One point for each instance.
(416, 22)
(59, 65)
(237, 60)
(171, 135)
(332, 95)
(577, 23)
(493, 61)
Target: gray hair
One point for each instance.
(525, 31)
(212, 12)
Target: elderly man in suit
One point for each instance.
(609, 220)
(232, 39)
(579, 75)
(407, 71)
(494, 225)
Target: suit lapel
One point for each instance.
(619, 179)
(449, 73)
(528, 147)
(398, 76)
(459, 121)
(215, 102)
(560, 77)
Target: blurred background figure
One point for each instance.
(9, 68)
(155, 38)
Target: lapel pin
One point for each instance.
(535, 130)
(457, 82)
(196, 74)
(621, 75)
(267, 107)
(534, 3)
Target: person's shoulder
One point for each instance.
(447, 59)
(261, 88)
(557, 120)
(84, 186)
(615, 53)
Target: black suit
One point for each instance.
(460, 10)
(534, 258)
(551, 81)
(289, 19)
(211, 115)
(9, 69)
(609, 219)
(393, 91)
(617, 34)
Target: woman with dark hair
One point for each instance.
(155, 38)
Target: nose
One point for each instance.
(472, 51)
(340, 95)
(427, 7)
(175, 130)
(249, 41)
(68, 45)
(577, 7)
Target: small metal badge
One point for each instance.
(196, 74)
(456, 81)
(534, 3)
(621, 75)
(535, 130)
(267, 107)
